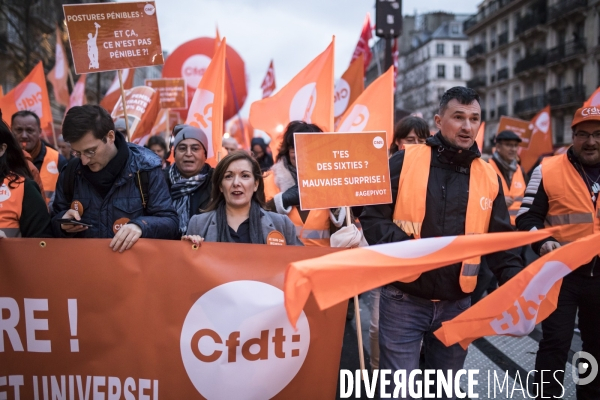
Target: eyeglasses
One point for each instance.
(585, 136)
(88, 153)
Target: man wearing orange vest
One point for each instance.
(281, 191)
(442, 188)
(25, 125)
(563, 191)
(504, 162)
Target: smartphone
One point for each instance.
(73, 222)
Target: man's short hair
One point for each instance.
(87, 118)
(462, 94)
(26, 113)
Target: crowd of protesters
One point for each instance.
(109, 188)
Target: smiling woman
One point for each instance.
(235, 213)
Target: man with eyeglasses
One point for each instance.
(116, 188)
(190, 177)
(563, 191)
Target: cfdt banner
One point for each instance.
(160, 321)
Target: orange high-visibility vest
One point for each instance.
(409, 212)
(569, 200)
(516, 190)
(49, 172)
(315, 230)
(11, 205)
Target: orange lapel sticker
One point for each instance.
(119, 224)
(77, 206)
(275, 238)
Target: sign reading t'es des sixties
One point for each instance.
(342, 169)
(110, 36)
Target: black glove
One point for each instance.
(291, 197)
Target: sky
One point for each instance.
(290, 32)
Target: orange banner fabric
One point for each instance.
(348, 88)
(142, 109)
(161, 320)
(342, 169)
(172, 92)
(526, 300)
(59, 74)
(337, 277)
(541, 140)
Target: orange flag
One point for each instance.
(540, 142)
(526, 300)
(481, 137)
(594, 100)
(268, 84)
(348, 88)
(206, 109)
(307, 97)
(58, 75)
(160, 124)
(217, 41)
(78, 96)
(114, 91)
(1, 92)
(373, 110)
(31, 94)
(362, 47)
(336, 277)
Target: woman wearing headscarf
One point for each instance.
(23, 211)
(314, 227)
(261, 154)
(235, 213)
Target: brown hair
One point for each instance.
(287, 142)
(403, 128)
(216, 196)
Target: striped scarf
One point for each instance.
(181, 189)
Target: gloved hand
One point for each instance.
(548, 247)
(291, 197)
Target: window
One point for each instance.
(559, 130)
(457, 72)
(441, 91)
(456, 49)
(441, 71)
(440, 49)
(455, 29)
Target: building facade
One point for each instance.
(526, 54)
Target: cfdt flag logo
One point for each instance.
(237, 343)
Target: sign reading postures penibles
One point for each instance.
(520, 127)
(110, 36)
(342, 169)
(172, 92)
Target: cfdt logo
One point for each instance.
(341, 97)
(193, 69)
(31, 99)
(4, 193)
(237, 343)
(303, 103)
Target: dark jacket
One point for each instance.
(200, 198)
(445, 215)
(158, 221)
(534, 209)
(39, 160)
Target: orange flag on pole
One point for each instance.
(307, 97)
(481, 137)
(526, 300)
(268, 84)
(373, 110)
(540, 142)
(59, 74)
(31, 94)
(362, 47)
(113, 94)
(594, 100)
(78, 96)
(348, 88)
(206, 109)
(336, 277)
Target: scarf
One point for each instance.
(508, 168)
(104, 179)
(181, 190)
(256, 235)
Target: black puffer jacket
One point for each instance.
(445, 215)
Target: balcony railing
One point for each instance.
(503, 39)
(490, 9)
(565, 7)
(567, 96)
(536, 16)
(477, 82)
(476, 50)
(531, 61)
(530, 104)
(566, 50)
(503, 74)
(502, 110)
(492, 44)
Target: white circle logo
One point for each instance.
(303, 103)
(52, 167)
(4, 193)
(378, 142)
(357, 119)
(149, 9)
(237, 343)
(193, 69)
(341, 97)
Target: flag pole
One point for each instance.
(124, 104)
(361, 353)
(168, 123)
(54, 134)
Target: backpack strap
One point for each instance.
(143, 182)
(69, 180)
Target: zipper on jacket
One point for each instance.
(442, 214)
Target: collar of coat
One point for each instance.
(449, 154)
